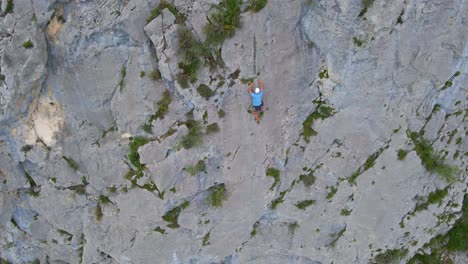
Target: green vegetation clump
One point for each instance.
(309, 178)
(104, 199)
(221, 113)
(28, 44)
(441, 247)
(198, 167)
(431, 161)
(162, 109)
(254, 229)
(204, 91)
(321, 112)
(257, 5)
(275, 174)
(447, 84)
(336, 236)
(278, 200)
(123, 74)
(402, 154)
(434, 197)
(206, 239)
(391, 256)
(79, 189)
(172, 216)
(223, 23)
(304, 204)
(345, 212)
(323, 74)
(154, 75)
(142, 74)
(212, 128)
(217, 195)
(133, 156)
(9, 7)
(192, 54)
(160, 230)
(193, 137)
(98, 212)
(369, 163)
(180, 18)
(400, 17)
(71, 163)
(332, 192)
(358, 42)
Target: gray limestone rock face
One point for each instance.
(360, 155)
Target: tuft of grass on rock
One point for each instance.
(345, 212)
(71, 163)
(391, 256)
(198, 167)
(133, 156)
(9, 7)
(180, 18)
(98, 212)
(431, 161)
(194, 137)
(104, 199)
(204, 91)
(28, 44)
(206, 239)
(257, 5)
(212, 128)
(332, 192)
(322, 112)
(223, 23)
(217, 195)
(221, 113)
(160, 230)
(304, 204)
(154, 75)
(142, 74)
(402, 154)
(275, 174)
(162, 109)
(172, 216)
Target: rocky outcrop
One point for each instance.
(126, 134)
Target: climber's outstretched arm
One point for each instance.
(251, 87)
(261, 84)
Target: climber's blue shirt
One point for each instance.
(257, 98)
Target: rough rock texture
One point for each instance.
(72, 105)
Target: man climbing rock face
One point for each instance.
(256, 94)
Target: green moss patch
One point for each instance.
(198, 167)
(257, 5)
(223, 23)
(402, 154)
(217, 195)
(204, 91)
(304, 204)
(332, 192)
(162, 107)
(9, 7)
(194, 137)
(431, 161)
(28, 44)
(391, 256)
(212, 128)
(322, 112)
(172, 216)
(180, 18)
(71, 163)
(275, 174)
